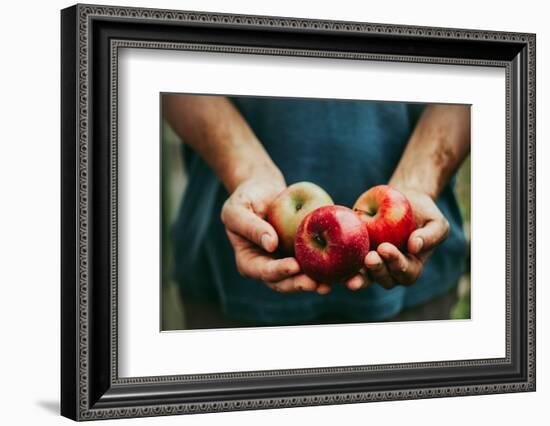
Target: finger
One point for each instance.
(304, 283)
(285, 286)
(355, 282)
(247, 224)
(323, 289)
(378, 271)
(430, 235)
(300, 282)
(253, 263)
(403, 269)
(358, 281)
(266, 269)
(275, 269)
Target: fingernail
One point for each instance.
(265, 241)
(419, 243)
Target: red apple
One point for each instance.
(388, 215)
(290, 207)
(331, 244)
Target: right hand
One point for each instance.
(389, 266)
(254, 239)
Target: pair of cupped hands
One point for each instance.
(254, 241)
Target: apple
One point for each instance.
(290, 207)
(388, 215)
(331, 244)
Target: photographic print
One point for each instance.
(310, 211)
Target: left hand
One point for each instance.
(387, 265)
(254, 240)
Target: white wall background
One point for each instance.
(29, 211)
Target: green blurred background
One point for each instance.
(174, 181)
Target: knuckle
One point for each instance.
(446, 227)
(242, 270)
(264, 274)
(224, 213)
(272, 272)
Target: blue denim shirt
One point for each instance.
(345, 147)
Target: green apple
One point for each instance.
(290, 207)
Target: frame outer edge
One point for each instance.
(531, 199)
(69, 221)
(84, 194)
(83, 12)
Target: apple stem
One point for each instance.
(368, 213)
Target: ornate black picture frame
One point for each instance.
(91, 36)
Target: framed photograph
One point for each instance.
(263, 212)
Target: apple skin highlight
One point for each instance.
(388, 215)
(331, 244)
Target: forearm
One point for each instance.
(437, 147)
(215, 129)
